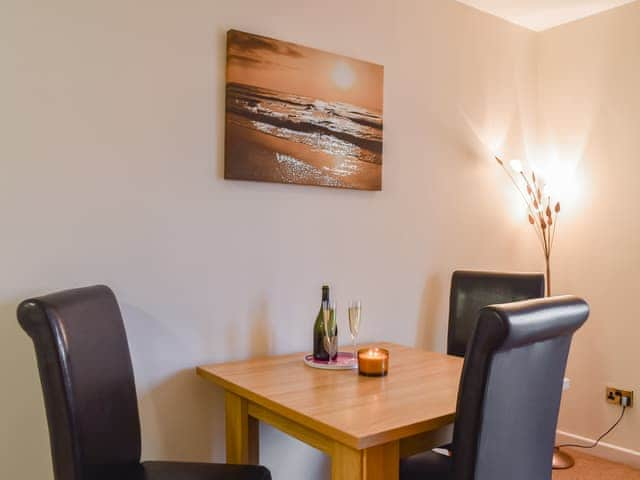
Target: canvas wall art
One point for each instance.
(299, 115)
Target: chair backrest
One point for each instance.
(470, 291)
(510, 389)
(87, 379)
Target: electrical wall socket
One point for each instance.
(615, 396)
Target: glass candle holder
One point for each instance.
(373, 362)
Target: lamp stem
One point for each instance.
(547, 261)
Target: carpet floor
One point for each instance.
(588, 467)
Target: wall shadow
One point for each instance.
(181, 415)
(432, 314)
(261, 335)
(189, 414)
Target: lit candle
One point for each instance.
(373, 362)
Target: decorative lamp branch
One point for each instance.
(543, 211)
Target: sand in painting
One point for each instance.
(272, 159)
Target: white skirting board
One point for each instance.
(603, 450)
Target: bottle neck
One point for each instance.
(325, 294)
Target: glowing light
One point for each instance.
(516, 166)
(561, 179)
(560, 182)
(343, 75)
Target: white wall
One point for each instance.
(589, 73)
(111, 162)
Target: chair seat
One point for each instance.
(181, 471)
(426, 466)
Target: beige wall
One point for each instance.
(589, 105)
(111, 165)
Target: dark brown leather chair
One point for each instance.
(90, 395)
(470, 291)
(509, 394)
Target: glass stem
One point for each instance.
(355, 352)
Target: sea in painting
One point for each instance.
(284, 135)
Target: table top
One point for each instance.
(418, 395)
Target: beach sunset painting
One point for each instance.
(299, 115)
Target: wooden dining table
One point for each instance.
(365, 424)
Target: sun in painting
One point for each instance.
(343, 75)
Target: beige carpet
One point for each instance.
(588, 467)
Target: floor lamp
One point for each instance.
(543, 216)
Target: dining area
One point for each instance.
(487, 408)
(384, 422)
(338, 240)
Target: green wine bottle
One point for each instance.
(319, 352)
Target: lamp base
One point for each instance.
(562, 460)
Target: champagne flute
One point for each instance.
(355, 309)
(330, 329)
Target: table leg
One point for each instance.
(242, 431)
(375, 463)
